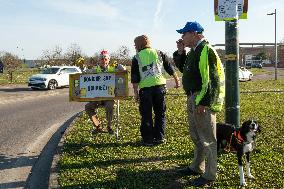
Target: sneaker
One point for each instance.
(97, 130)
(201, 182)
(159, 141)
(147, 143)
(110, 131)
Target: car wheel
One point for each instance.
(250, 77)
(52, 84)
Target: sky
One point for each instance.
(30, 27)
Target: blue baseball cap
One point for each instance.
(191, 26)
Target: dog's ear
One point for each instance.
(246, 123)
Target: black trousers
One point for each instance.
(152, 98)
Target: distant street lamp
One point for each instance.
(274, 13)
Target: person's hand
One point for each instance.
(201, 109)
(136, 96)
(177, 84)
(180, 46)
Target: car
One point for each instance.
(256, 65)
(244, 74)
(52, 77)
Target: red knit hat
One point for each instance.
(104, 54)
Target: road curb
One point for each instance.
(54, 171)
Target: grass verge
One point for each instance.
(102, 162)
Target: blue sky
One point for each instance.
(31, 26)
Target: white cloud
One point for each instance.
(89, 8)
(157, 15)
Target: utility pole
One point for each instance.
(276, 58)
(231, 11)
(232, 90)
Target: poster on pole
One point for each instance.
(98, 86)
(226, 10)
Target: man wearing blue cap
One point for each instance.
(203, 81)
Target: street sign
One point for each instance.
(226, 10)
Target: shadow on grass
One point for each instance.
(106, 163)
(128, 178)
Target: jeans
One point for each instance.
(152, 98)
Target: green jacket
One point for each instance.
(203, 74)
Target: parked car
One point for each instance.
(244, 74)
(256, 65)
(52, 77)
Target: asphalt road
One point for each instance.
(31, 121)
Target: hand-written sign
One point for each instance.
(98, 86)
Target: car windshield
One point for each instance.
(50, 71)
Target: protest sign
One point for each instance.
(98, 86)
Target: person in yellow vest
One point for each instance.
(147, 76)
(204, 83)
(91, 108)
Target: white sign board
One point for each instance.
(228, 9)
(248, 56)
(98, 85)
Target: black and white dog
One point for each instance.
(240, 140)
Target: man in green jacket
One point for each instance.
(203, 82)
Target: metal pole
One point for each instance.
(232, 91)
(276, 58)
(275, 35)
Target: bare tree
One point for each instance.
(11, 63)
(122, 55)
(73, 54)
(53, 57)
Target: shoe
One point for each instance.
(188, 171)
(97, 130)
(159, 141)
(110, 131)
(201, 182)
(147, 143)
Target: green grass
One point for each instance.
(19, 76)
(103, 162)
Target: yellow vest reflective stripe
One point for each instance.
(150, 68)
(218, 104)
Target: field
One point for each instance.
(18, 76)
(102, 162)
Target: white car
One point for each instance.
(244, 74)
(52, 77)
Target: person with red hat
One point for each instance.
(91, 108)
(147, 75)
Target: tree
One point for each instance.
(122, 55)
(11, 63)
(261, 56)
(73, 53)
(53, 57)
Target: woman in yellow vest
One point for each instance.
(147, 75)
(91, 107)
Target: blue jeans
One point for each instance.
(152, 98)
